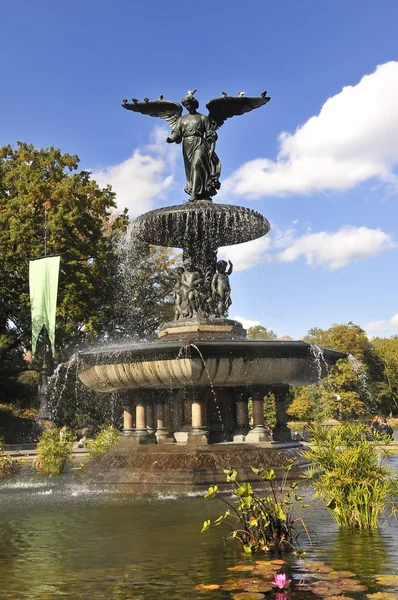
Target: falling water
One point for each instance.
(185, 352)
(363, 381)
(56, 389)
(320, 360)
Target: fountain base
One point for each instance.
(186, 468)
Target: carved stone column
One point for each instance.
(281, 433)
(258, 433)
(128, 418)
(198, 434)
(141, 434)
(242, 415)
(162, 434)
(149, 416)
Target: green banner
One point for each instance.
(43, 287)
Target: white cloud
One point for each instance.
(332, 250)
(386, 325)
(337, 250)
(143, 177)
(247, 323)
(352, 139)
(247, 255)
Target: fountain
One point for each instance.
(186, 395)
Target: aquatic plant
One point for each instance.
(280, 581)
(349, 473)
(54, 450)
(8, 464)
(261, 522)
(107, 437)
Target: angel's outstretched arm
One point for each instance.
(176, 134)
(230, 269)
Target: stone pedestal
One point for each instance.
(281, 433)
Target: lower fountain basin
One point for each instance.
(227, 363)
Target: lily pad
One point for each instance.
(335, 575)
(338, 598)
(241, 568)
(248, 584)
(325, 588)
(248, 596)
(278, 561)
(207, 586)
(265, 563)
(316, 567)
(351, 585)
(388, 579)
(233, 584)
(382, 596)
(303, 587)
(264, 572)
(259, 585)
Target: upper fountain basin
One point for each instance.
(175, 365)
(187, 224)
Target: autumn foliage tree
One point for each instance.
(259, 332)
(47, 204)
(351, 389)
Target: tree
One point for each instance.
(45, 200)
(348, 338)
(348, 390)
(258, 332)
(387, 352)
(303, 404)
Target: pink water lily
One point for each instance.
(280, 581)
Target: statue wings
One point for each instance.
(165, 109)
(225, 107)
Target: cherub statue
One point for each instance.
(180, 300)
(197, 133)
(191, 280)
(221, 288)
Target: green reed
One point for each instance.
(349, 473)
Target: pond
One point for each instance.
(62, 539)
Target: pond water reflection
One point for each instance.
(62, 539)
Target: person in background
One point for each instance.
(385, 428)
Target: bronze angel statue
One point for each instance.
(198, 134)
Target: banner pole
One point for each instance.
(44, 411)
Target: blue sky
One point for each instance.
(328, 184)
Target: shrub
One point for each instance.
(350, 475)
(54, 450)
(107, 437)
(8, 464)
(261, 523)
